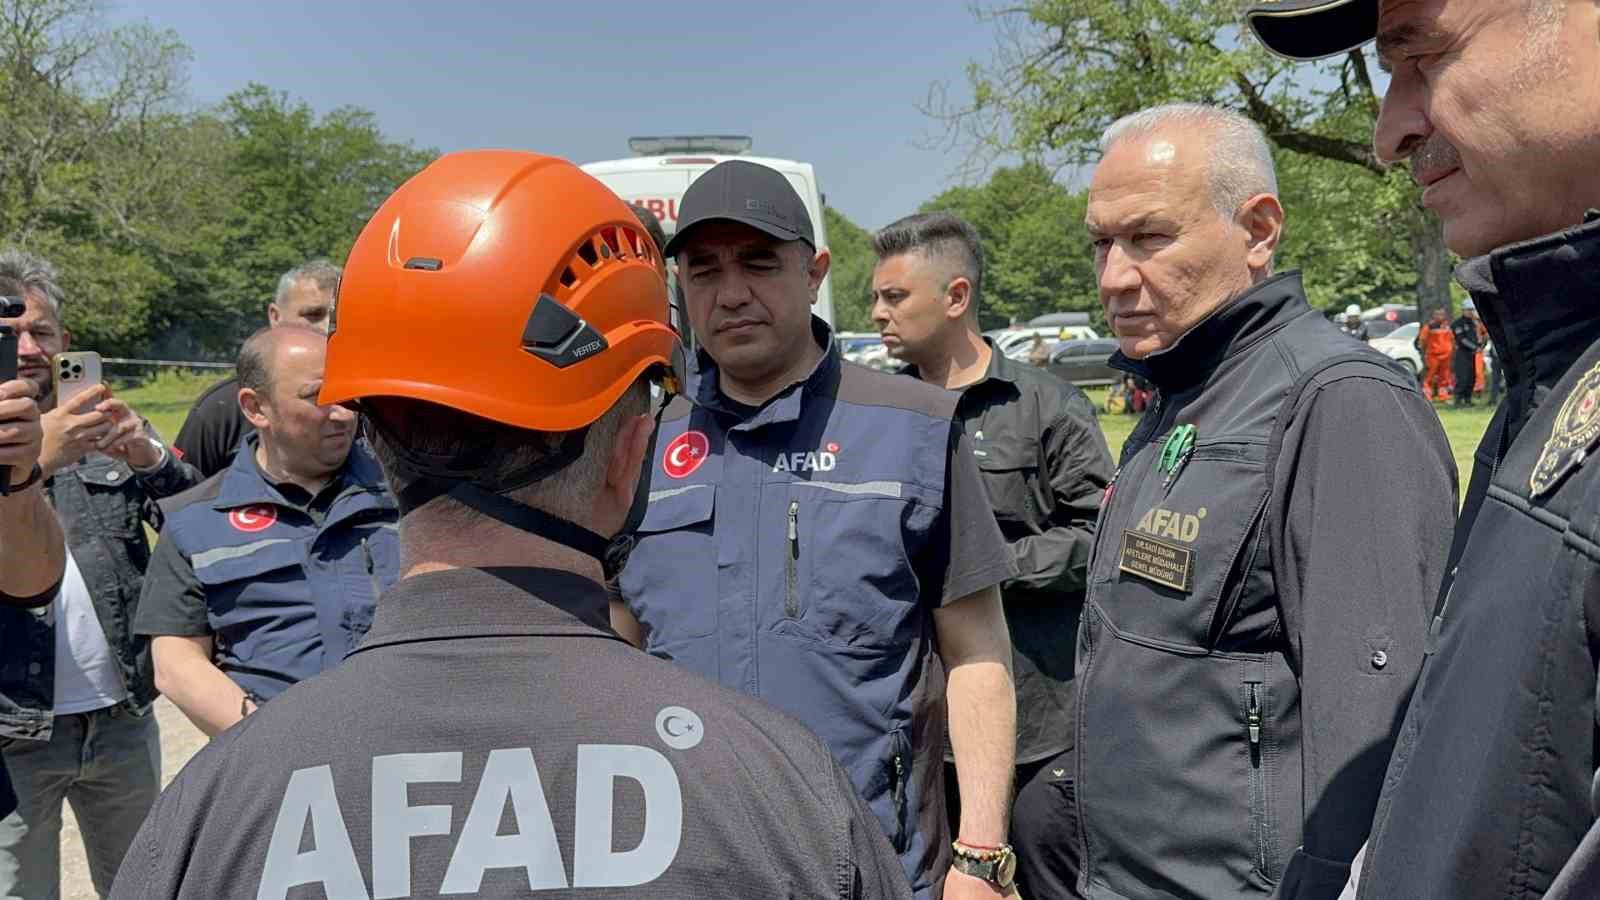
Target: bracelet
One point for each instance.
(7, 488)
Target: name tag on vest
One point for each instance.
(1168, 565)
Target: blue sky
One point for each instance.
(830, 82)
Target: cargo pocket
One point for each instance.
(670, 581)
(848, 577)
(1010, 471)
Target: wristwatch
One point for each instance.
(34, 476)
(996, 865)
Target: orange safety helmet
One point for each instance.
(504, 284)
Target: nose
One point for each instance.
(733, 290)
(879, 313)
(341, 413)
(1117, 272)
(1403, 125)
(26, 345)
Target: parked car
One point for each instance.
(1016, 343)
(1401, 346)
(1084, 362)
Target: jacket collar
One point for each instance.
(460, 603)
(1540, 301)
(788, 404)
(1235, 327)
(243, 484)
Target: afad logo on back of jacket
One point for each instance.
(510, 781)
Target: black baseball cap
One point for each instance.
(749, 193)
(1312, 29)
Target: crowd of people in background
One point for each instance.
(582, 606)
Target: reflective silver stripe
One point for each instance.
(881, 488)
(211, 557)
(673, 492)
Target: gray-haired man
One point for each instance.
(215, 424)
(1257, 596)
(75, 682)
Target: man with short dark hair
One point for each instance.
(1495, 105)
(820, 538)
(266, 573)
(215, 424)
(1045, 466)
(75, 681)
(492, 736)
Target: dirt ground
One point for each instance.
(179, 741)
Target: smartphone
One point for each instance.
(76, 371)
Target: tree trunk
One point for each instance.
(1434, 264)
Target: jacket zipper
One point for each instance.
(899, 803)
(1254, 723)
(1258, 787)
(372, 569)
(791, 604)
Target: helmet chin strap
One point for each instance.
(432, 476)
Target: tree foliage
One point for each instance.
(851, 248)
(170, 225)
(1065, 69)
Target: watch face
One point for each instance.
(1008, 869)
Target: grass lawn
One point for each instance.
(166, 399)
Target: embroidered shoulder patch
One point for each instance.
(1574, 433)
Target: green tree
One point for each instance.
(297, 187)
(853, 260)
(1065, 69)
(97, 163)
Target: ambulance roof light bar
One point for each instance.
(662, 145)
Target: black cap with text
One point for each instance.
(748, 193)
(1312, 29)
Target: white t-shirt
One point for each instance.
(87, 678)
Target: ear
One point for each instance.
(273, 314)
(1262, 218)
(66, 340)
(820, 264)
(251, 402)
(622, 473)
(958, 298)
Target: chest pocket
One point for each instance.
(847, 561)
(1172, 556)
(369, 565)
(110, 496)
(670, 581)
(256, 594)
(1010, 470)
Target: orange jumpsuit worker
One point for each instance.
(1438, 345)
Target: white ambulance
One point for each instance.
(661, 169)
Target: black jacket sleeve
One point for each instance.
(1365, 490)
(212, 429)
(1079, 467)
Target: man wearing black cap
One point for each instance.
(1492, 789)
(801, 539)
